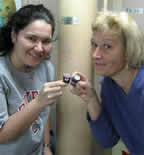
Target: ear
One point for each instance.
(13, 37)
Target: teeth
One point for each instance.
(34, 55)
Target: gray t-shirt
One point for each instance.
(16, 90)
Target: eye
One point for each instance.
(47, 41)
(107, 46)
(32, 38)
(93, 44)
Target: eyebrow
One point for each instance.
(109, 40)
(37, 36)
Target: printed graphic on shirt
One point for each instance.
(36, 126)
(125, 153)
(28, 96)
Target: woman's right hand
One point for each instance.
(50, 92)
(83, 88)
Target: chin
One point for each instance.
(101, 73)
(34, 63)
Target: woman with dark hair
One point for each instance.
(27, 86)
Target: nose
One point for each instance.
(96, 53)
(39, 46)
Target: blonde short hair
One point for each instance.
(123, 25)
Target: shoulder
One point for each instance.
(139, 79)
(49, 69)
(49, 66)
(4, 72)
(3, 64)
(2, 59)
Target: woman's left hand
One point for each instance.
(47, 151)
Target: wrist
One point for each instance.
(47, 150)
(45, 145)
(38, 103)
(92, 97)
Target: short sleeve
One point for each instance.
(3, 106)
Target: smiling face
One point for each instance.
(107, 53)
(31, 45)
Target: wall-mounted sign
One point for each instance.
(69, 20)
(134, 10)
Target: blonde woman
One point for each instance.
(117, 52)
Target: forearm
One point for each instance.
(94, 106)
(46, 147)
(101, 127)
(19, 122)
(103, 130)
(47, 133)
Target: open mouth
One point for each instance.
(35, 56)
(100, 64)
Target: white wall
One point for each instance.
(135, 4)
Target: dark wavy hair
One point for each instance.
(19, 20)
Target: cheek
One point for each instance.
(28, 45)
(118, 63)
(49, 48)
(115, 60)
(122, 59)
(24, 45)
